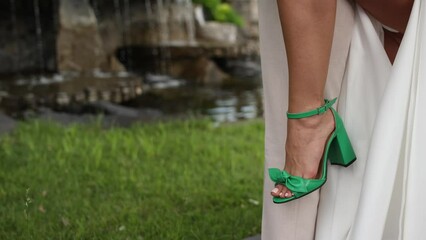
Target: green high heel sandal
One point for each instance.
(338, 149)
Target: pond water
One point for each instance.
(232, 100)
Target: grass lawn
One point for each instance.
(174, 180)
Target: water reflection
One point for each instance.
(228, 100)
(233, 100)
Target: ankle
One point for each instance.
(312, 122)
(304, 105)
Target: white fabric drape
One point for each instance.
(384, 108)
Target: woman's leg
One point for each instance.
(392, 13)
(307, 27)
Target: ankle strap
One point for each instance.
(320, 110)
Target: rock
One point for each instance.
(202, 70)
(86, 35)
(113, 64)
(199, 17)
(79, 45)
(214, 31)
(249, 11)
(118, 116)
(64, 118)
(143, 24)
(114, 109)
(218, 32)
(181, 22)
(243, 68)
(7, 124)
(91, 94)
(76, 13)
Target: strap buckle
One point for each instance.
(322, 109)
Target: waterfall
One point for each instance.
(118, 20)
(55, 18)
(95, 7)
(16, 62)
(123, 20)
(150, 19)
(127, 20)
(164, 34)
(39, 32)
(163, 19)
(189, 22)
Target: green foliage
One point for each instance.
(174, 180)
(222, 12)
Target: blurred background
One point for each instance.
(130, 119)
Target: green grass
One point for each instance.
(173, 180)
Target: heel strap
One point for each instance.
(320, 110)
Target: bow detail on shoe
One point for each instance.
(293, 183)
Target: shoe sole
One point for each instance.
(345, 165)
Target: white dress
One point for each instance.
(381, 195)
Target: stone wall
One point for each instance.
(79, 46)
(249, 11)
(41, 36)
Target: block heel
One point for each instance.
(338, 150)
(341, 150)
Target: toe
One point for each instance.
(288, 194)
(283, 191)
(277, 190)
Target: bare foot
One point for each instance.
(306, 139)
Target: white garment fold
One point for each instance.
(381, 195)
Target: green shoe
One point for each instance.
(338, 149)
